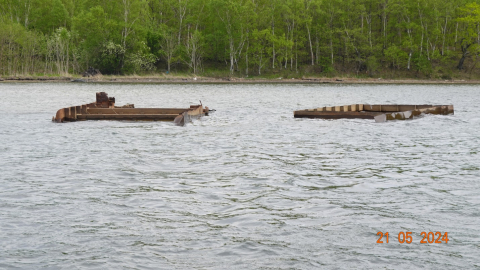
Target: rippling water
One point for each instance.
(247, 187)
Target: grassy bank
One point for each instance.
(218, 76)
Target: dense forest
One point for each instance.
(409, 38)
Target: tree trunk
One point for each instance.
(317, 48)
(331, 48)
(444, 30)
(464, 55)
(460, 64)
(409, 59)
(311, 47)
(273, 43)
(246, 57)
(456, 36)
(232, 48)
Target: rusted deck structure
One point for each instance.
(379, 112)
(104, 109)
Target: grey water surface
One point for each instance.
(248, 187)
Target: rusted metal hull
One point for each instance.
(379, 112)
(104, 109)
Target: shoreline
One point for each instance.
(227, 80)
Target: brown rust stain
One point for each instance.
(104, 109)
(379, 112)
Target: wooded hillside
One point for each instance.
(426, 38)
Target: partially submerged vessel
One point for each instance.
(104, 109)
(379, 112)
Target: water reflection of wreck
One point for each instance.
(104, 109)
(380, 113)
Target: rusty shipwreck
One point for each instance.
(379, 112)
(104, 109)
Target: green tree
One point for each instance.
(48, 15)
(470, 40)
(395, 56)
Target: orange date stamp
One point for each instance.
(406, 237)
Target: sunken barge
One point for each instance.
(104, 109)
(380, 112)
